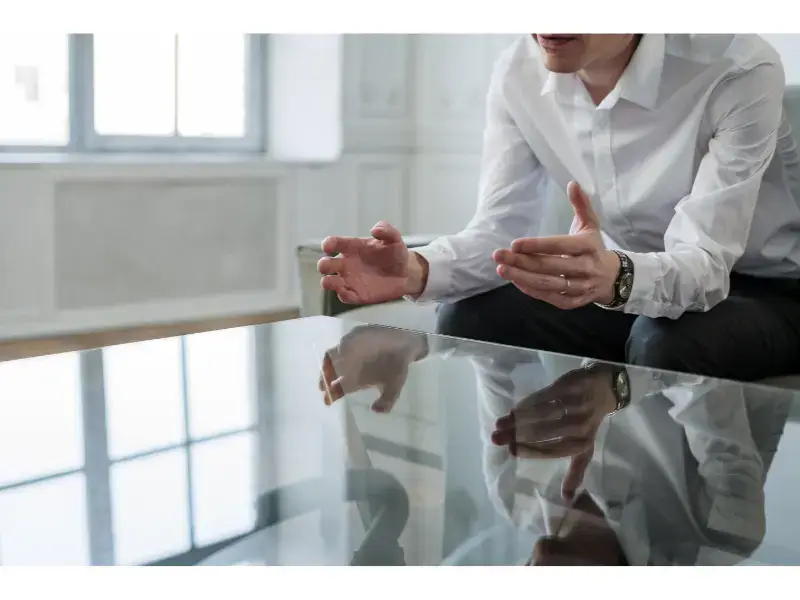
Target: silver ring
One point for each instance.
(563, 407)
(566, 289)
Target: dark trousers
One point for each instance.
(753, 334)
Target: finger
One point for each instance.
(342, 245)
(386, 232)
(553, 551)
(564, 420)
(335, 283)
(570, 266)
(562, 301)
(531, 431)
(390, 393)
(557, 244)
(328, 371)
(336, 389)
(544, 283)
(558, 449)
(329, 266)
(582, 205)
(575, 474)
(502, 437)
(504, 423)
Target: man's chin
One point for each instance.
(560, 66)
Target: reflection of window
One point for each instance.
(187, 405)
(133, 91)
(40, 417)
(45, 523)
(219, 383)
(223, 487)
(170, 460)
(144, 396)
(150, 511)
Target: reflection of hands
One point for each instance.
(371, 357)
(561, 420)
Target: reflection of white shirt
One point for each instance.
(689, 162)
(677, 474)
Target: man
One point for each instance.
(684, 252)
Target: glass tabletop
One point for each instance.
(324, 442)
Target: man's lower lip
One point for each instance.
(554, 43)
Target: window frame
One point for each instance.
(83, 138)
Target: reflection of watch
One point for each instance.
(624, 282)
(620, 382)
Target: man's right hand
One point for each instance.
(372, 270)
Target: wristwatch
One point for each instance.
(624, 282)
(620, 383)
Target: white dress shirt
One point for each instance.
(689, 163)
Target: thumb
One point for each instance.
(390, 391)
(582, 206)
(574, 477)
(386, 232)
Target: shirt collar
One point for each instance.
(641, 80)
(639, 83)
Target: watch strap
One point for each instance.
(625, 270)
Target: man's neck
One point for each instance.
(601, 77)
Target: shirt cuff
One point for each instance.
(646, 279)
(439, 273)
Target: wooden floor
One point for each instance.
(15, 349)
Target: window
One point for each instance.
(132, 92)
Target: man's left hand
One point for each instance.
(568, 271)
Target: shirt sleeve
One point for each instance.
(509, 206)
(711, 226)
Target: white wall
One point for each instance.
(788, 45)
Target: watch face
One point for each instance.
(622, 385)
(625, 285)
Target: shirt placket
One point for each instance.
(604, 168)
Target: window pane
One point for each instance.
(45, 524)
(219, 382)
(40, 417)
(134, 84)
(211, 85)
(150, 507)
(34, 87)
(144, 393)
(223, 487)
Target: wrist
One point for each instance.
(614, 382)
(417, 277)
(611, 266)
